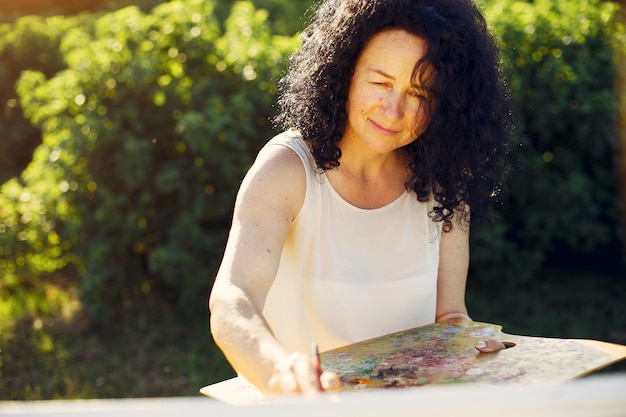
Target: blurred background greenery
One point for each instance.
(126, 127)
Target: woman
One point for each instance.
(354, 223)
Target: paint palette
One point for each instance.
(445, 353)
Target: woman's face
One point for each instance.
(385, 109)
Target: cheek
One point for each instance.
(354, 105)
(364, 103)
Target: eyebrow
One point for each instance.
(381, 72)
(391, 77)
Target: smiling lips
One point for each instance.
(382, 129)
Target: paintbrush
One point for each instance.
(318, 365)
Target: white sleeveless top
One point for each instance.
(348, 274)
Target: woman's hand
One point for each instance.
(300, 374)
(489, 346)
(484, 346)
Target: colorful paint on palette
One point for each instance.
(445, 354)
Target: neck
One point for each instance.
(369, 180)
(360, 163)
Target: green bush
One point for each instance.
(146, 137)
(32, 43)
(286, 17)
(151, 120)
(12, 10)
(559, 204)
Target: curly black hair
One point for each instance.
(458, 157)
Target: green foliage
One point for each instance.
(52, 351)
(31, 43)
(286, 17)
(151, 119)
(149, 122)
(12, 10)
(147, 135)
(560, 199)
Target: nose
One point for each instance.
(392, 106)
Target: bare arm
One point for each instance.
(452, 279)
(452, 273)
(269, 198)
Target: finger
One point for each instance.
(330, 381)
(488, 346)
(283, 379)
(307, 375)
(283, 383)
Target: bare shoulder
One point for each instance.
(269, 198)
(276, 180)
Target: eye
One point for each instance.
(417, 95)
(382, 84)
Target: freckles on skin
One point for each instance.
(384, 103)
